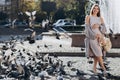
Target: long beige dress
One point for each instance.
(95, 48)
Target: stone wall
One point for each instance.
(78, 40)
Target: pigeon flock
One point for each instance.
(22, 65)
(27, 64)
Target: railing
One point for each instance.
(69, 29)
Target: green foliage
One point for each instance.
(73, 9)
(87, 8)
(59, 14)
(40, 16)
(28, 6)
(48, 6)
(55, 9)
(66, 4)
(22, 17)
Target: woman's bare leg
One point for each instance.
(95, 64)
(100, 60)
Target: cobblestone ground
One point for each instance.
(82, 64)
(51, 44)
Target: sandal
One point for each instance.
(95, 72)
(104, 73)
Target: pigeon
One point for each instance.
(31, 41)
(60, 77)
(23, 50)
(32, 77)
(20, 54)
(4, 48)
(42, 75)
(33, 34)
(101, 78)
(61, 70)
(28, 54)
(1, 77)
(38, 46)
(111, 31)
(60, 45)
(57, 36)
(69, 64)
(31, 38)
(36, 53)
(80, 73)
(55, 55)
(45, 46)
(50, 70)
(12, 54)
(27, 72)
(90, 61)
(13, 74)
(82, 49)
(45, 58)
(50, 61)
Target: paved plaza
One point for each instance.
(49, 44)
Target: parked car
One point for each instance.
(15, 23)
(64, 22)
(20, 24)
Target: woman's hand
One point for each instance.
(95, 26)
(98, 36)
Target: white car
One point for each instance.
(64, 22)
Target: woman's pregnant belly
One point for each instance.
(96, 31)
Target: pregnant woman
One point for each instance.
(94, 30)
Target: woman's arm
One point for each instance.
(88, 31)
(102, 26)
(87, 20)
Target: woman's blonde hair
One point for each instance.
(91, 11)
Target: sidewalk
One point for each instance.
(62, 48)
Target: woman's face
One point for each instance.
(95, 10)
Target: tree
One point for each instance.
(40, 16)
(48, 7)
(80, 7)
(66, 4)
(59, 14)
(28, 6)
